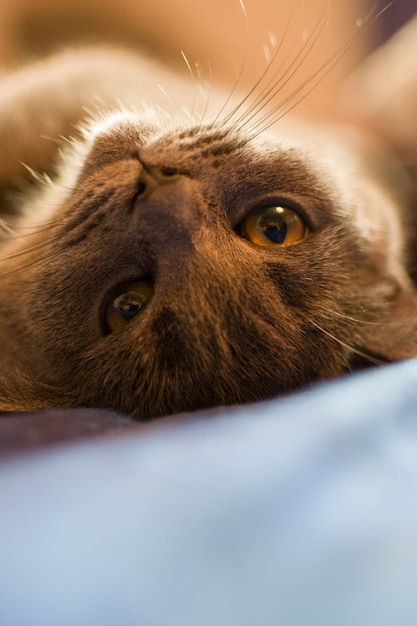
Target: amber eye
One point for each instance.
(121, 310)
(273, 225)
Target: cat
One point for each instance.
(172, 261)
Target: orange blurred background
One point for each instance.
(212, 33)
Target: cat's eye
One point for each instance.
(125, 306)
(273, 226)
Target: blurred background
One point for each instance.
(211, 33)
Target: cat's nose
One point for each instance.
(168, 210)
(152, 177)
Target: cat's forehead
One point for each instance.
(162, 134)
(214, 145)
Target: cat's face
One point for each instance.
(198, 267)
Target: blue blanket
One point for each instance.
(298, 511)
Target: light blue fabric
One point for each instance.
(300, 511)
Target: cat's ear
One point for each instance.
(42, 103)
(382, 94)
(380, 99)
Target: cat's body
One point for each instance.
(183, 262)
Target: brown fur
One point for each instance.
(146, 196)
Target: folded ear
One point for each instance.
(382, 94)
(380, 99)
(46, 101)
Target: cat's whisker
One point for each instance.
(259, 81)
(172, 103)
(240, 72)
(193, 80)
(303, 90)
(26, 266)
(16, 231)
(33, 231)
(71, 141)
(295, 98)
(123, 108)
(292, 100)
(29, 250)
(206, 91)
(350, 318)
(278, 82)
(307, 86)
(201, 94)
(268, 48)
(368, 357)
(197, 96)
(55, 140)
(6, 228)
(39, 178)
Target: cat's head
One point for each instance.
(187, 267)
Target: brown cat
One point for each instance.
(187, 260)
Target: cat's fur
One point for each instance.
(147, 195)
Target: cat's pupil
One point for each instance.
(275, 232)
(122, 309)
(273, 225)
(128, 305)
